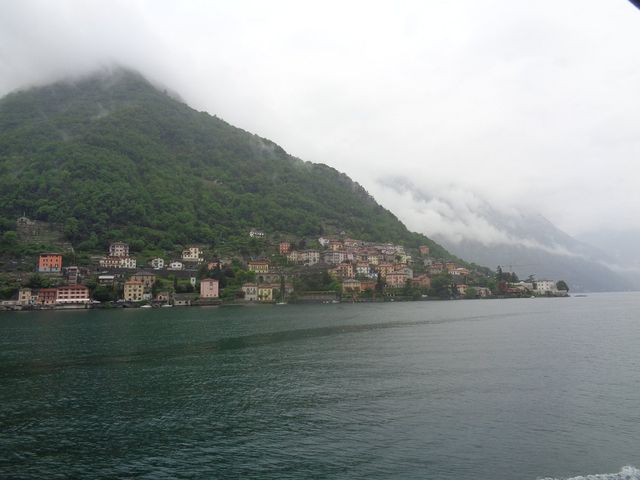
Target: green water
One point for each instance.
(446, 390)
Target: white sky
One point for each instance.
(519, 102)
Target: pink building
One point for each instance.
(209, 288)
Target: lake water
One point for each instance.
(495, 389)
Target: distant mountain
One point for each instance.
(111, 157)
(523, 242)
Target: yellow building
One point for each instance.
(258, 266)
(133, 291)
(265, 294)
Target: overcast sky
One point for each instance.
(522, 103)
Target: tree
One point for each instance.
(441, 286)
(471, 293)
(562, 285)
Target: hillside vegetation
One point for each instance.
(110, 157)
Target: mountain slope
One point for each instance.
(112, 157)
(523, 242)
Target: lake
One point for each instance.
(484, 389)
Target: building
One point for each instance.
(72, 274)
(157, 263)
(422, 281)
(50, 263)
(117, 262)
(163, 297)
(192, 254)
(73, 294)
(367, 285)
(106, 280)
(175, 265)
(118, 249)
(351, 285)
(133, 291)
(128, 262)
(250, 291)
(396, 279)
(344, 270)
(424, 250)
(255, 233)
(258, 266)
(110, 262)
(182, 299)
(459, 272)
(47, 296)
(284, 248)
(333, 257)
(336, 245)
(25, 297)
(323, 242)
(265, 293)
(385, 268)
(546, 287)
(147, 279)
(209, 288)
(483, 292)
(462, 289)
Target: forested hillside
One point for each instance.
(112, 157)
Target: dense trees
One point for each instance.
(111, 157)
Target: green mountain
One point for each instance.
(112, 157)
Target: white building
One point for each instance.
(544, 287)
(128, 262)
(255, 233)
(333, 258)
(26, 297)
(119, 249)
(250, 292)
(176, 266)
(192, 254)
(157, 263)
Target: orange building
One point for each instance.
(284, 248)
(50, 262)
(47, 296)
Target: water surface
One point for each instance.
(495, 389)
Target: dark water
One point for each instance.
(513, 389)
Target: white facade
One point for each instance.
(250, 292)
(119, 249)
(192, 254)
(26, 297)
(157, 263)
(545, 286)
(254, 233)
(176, 266)
(128, 262)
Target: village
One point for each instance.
(340, 269)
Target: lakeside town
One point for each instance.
(324, 270)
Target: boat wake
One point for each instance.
(627, 473)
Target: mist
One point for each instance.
(527, 105)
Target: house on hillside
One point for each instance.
(258, 266)
(50, 263)
(255, 233)
(192, 254)
(208, 288)
(118, 249)
(284, 248)
(157, 263)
